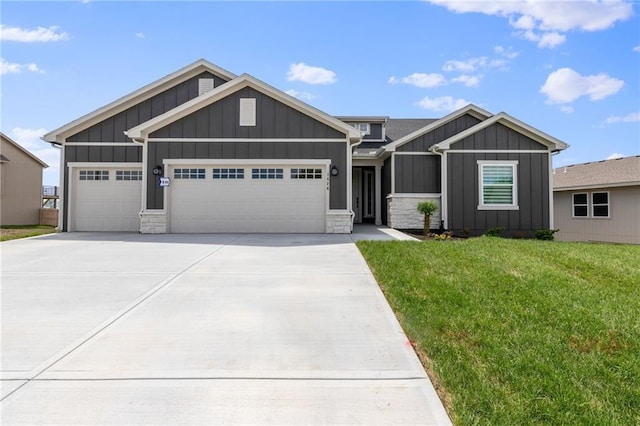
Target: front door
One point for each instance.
(368, 200)
(356, 203)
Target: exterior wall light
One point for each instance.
(334, 171)
(157, 170)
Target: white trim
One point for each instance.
(201, 65)
(142, 130)
(600, 186)
(213, 161)
(349, 173)
(413, 153)
(514, 185)
(393, 173)
(232, 140)
(573, 206)
(550, 189)
(378, 195)
(514, 124)
(498, 151)
(247, 113)
(101, 144)
(444, 208)
(97, 165)
(145, 177)
(61, 208)
(470, 109)
(415, 195)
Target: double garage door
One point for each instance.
(205, 199)
(247, 198)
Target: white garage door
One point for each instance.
(106, 199)
(247, 198)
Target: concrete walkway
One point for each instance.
(202, 329)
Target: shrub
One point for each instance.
(427, 208)
(494, 232)
(545, 234)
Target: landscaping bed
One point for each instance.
(520, 331)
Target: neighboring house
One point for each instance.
(598, 201)
(204, 150)
(20, 184)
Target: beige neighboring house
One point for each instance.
(20, 184)
(598, 201)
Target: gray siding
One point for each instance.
(386, 187)
(463, 193)
(417, 174)
(334, 151)
(375, 132)
(99, 154)
(422, 143)
(112, 129)
(273, 120)
(499, 137)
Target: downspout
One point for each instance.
(551, 209)
(143, 198)
(444, 217)
(349, 172)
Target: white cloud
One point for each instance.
(567, 109)
(614, 156)
(30, 140)
(550, 18)
(139, 35)
(637, 48)
(40, 34)
(467, 80)
(442, 103)
(310, 74)
(634, 117)
(15, 68)
(506, 53)
(468, 65)
(304, 96)
(422, 80)
(566, 85)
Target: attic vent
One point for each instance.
(205, 85)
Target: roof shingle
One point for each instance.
(620, 171)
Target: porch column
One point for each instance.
(378, 195)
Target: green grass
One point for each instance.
(14, 232)
(516, 332)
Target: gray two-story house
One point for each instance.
(204, 150)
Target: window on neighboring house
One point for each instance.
(364, 128)
(228, 173)
(580, 205)
(498, 188)
(94, 174)
(600, 204)
(188, 174)
(247, 112)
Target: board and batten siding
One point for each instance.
(417, 174)
(112, 129)
(96, 154)
(221, 119)
(498, 137)
(336, 152)
(375, 132)
(439, 134)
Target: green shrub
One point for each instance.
(545, 234)
(427, 208)
(494, 232)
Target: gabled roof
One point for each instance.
(146, 92)
(21, 148)
(470, 109)
(141, 131)
(400, 127)
(508, 121)
(600, 174)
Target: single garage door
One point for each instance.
(106, 199)
(248, 198)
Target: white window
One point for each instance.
(306, 173)
(600, 204)
(188, 174)
(94, 174)
(247, 111)
(128, 175)
(498, 185)
(266, 173)
(580, 203)
(228, 173)
(205, 85)
(364, 128)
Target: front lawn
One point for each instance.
(520, 331)
(11, 232)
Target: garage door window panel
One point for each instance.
(267, 173)
(128, 175)
(189, 174)
(306, 174)
(94, 175)
(228, 173)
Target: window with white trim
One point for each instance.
(580, 204)
(498, 185)
(128, 175)
(94, 174)
(266, 173)
(228, 173)
(364, 128)
(306, 173)
(600, 204)
(188, 173)
(247, 111)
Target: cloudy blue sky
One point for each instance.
(568, 68)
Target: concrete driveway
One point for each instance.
(202, 329)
